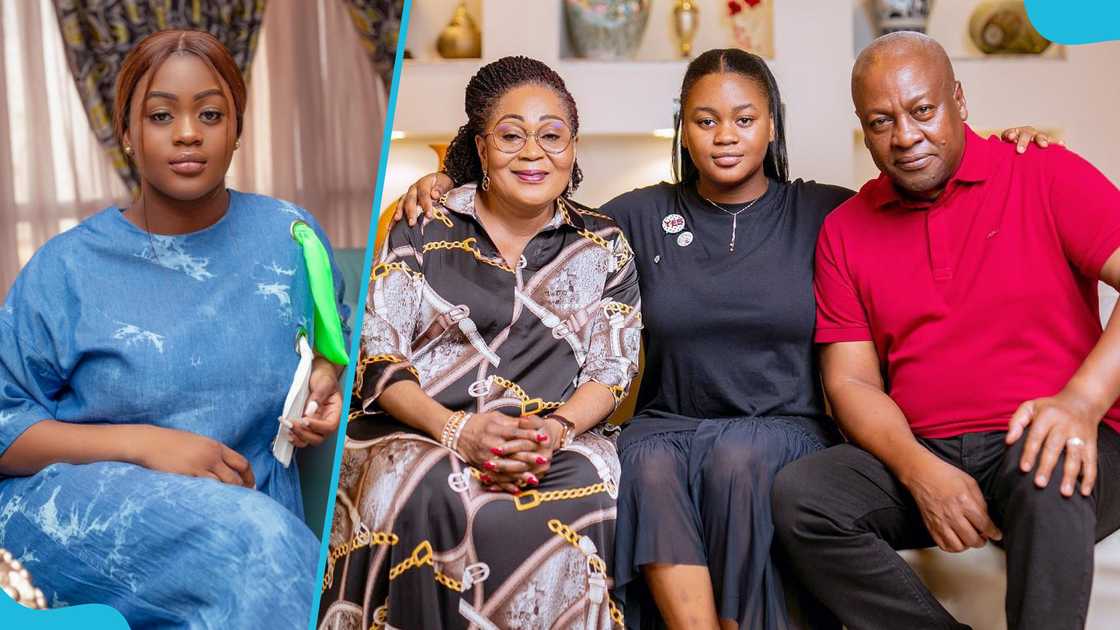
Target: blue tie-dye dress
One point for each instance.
(196, 332)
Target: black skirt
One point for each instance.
(697, 492)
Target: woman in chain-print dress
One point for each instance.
(418, 541)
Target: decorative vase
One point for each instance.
(1003, 28)
(752, 25)
(460, 39)
(901, 15)
(686, 21)
(606, 29)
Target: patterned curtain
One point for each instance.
(98, 34)
(379, 24)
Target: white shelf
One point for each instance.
(606, 92)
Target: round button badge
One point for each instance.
(673, 223)
(684, 239)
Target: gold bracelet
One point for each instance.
(451, 427)
(459, 431)
(569, 430)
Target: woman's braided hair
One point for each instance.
(484, 90)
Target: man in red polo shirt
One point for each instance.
(962, 352)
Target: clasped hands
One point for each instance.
(951, 503)
(509, 452)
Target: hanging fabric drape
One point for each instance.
(379, 24)
(97, 34)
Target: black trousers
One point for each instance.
(840, 516)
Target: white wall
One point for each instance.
(814, 44)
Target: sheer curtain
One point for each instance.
(52, 171)
(312, 131)
(315, 118)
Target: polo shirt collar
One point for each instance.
(461, 201)
(976, 166)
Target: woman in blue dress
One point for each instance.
(144, 359)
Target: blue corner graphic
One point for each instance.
(1075, 21)
(88, 616)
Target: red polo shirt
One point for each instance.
(982, 300)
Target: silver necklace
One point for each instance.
(734, 217)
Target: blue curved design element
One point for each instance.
(88, 616)
(1075, 21)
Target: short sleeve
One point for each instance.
(1085, 207)
(618, 209)
(630, 209)
(30, 375)
(840, 313)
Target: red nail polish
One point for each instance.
(497, 451)
(488, 465)
(533, 481)
(485, 478)
(541, 460)
(517, 491)
(541, 437)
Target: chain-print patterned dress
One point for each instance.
(417, 542)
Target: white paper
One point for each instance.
(294, 404)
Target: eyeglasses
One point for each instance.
(552, 137)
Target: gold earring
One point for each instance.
(485, 181)
(127, 150)
(237, 144)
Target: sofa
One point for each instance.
(971, 585)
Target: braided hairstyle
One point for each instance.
(776, 163)
(484, 90)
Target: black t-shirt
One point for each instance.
(727, 334)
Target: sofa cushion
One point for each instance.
(972, 585)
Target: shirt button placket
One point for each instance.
(937, 229)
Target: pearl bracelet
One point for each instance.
(451, 429)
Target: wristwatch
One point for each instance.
(569, 430)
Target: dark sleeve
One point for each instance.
(392, 309)
(824, 198)
(629, 208)
(619, 210)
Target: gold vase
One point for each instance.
(1003, 28)
(686, 21)
(460, 39)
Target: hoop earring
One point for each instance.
(485, 181)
